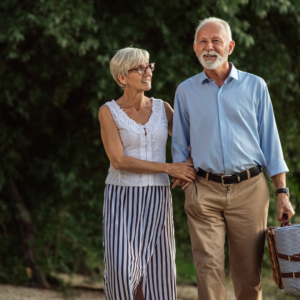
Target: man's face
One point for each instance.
(212, 46)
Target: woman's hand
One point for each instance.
(183, 171)
(180, 182)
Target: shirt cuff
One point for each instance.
(178, 155)
(180, 158)
(276, 167)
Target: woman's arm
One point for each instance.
(114, 150)
(169, 114)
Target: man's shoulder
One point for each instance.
(251, 78)
(188, 83)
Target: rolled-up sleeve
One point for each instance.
(269, 137)
(181, 130)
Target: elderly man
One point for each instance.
(223, 119)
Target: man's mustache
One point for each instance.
(212, 52)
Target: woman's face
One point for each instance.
(139, 78)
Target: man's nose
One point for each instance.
(209, 46)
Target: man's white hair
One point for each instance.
(214, 20)
(126, 59)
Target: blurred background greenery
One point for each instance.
(54, 77)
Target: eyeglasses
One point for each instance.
(142, 70)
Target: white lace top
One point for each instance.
(146, 142)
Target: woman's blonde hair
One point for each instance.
(126, 59)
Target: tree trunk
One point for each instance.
(27, 235)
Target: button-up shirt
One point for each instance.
(228, 129)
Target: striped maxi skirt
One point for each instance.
(139, 243)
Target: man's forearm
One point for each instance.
(279, 181)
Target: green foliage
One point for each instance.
(55, 75)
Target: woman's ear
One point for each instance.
(122, 79)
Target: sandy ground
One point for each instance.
(9, 292)
(81, 288)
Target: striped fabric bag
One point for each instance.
(284, 250)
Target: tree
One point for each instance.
(55, 75)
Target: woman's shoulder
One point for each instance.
(162, 102)
(169, 111)
(167, 106)
(164, 107)
(105, 109)
(109, 104)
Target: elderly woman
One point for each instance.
(139, 247)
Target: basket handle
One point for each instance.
(285, 220)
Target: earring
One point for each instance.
(126, 82)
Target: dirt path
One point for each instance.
(81, 288)
(10, 292)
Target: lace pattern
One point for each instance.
(150, 146)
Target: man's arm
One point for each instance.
(180, 136)
(271, 147)
(180, 131)
(284, 205)
(269, 137)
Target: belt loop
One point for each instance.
(248, 173)
(207, 175)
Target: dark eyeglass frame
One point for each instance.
(146, 68)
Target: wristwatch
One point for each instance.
(282, 191)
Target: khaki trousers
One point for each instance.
(242, 210)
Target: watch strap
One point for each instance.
(282, 191)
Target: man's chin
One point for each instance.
(212, 65)
(209, 66)
(206, 65)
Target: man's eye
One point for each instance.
(216, 41)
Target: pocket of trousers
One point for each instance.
(189, 191)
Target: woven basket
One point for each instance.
(284, 250)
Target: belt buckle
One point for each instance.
(222, 180)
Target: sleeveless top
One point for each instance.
(145, 142)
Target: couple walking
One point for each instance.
(223, 133)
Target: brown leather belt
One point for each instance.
(230, 179)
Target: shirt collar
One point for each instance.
(233, 74)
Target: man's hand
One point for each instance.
(284, 206)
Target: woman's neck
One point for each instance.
(132, 99)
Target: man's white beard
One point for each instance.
(213, 65)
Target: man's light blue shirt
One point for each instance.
(229, 129)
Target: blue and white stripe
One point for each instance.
(139, 243)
